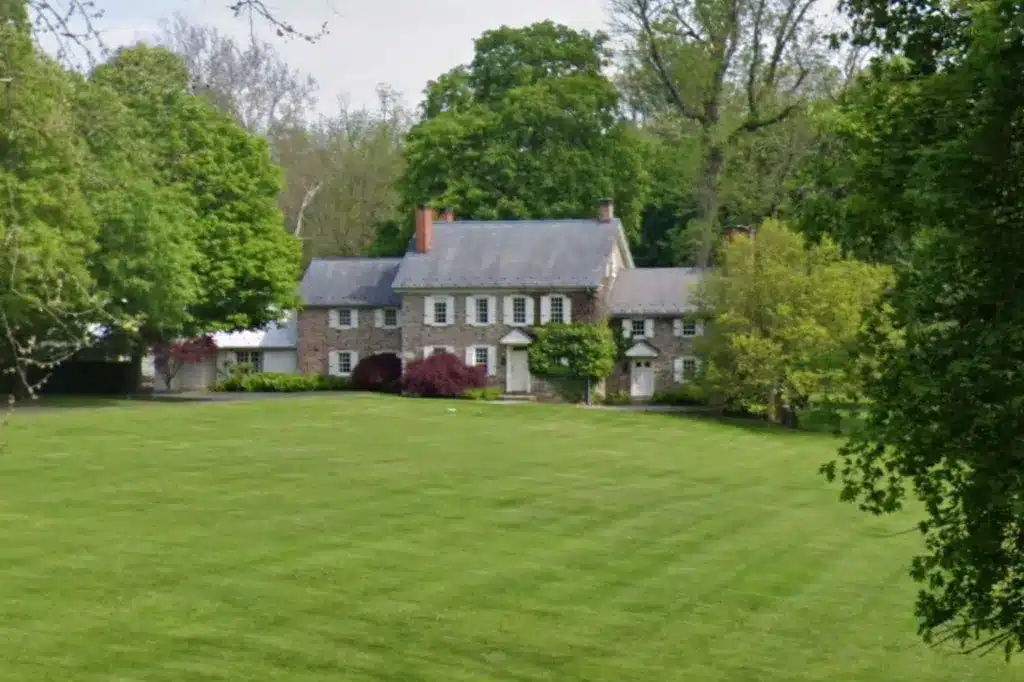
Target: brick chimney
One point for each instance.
(448, 215)
(424, 228)
(606, 210)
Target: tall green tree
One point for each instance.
(47, 230)
(732, 70)
(532, 128)
(785, 322)
(245, 265)
(945, 382)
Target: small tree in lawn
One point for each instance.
(578, 351)
(786, 318)
(171, 357)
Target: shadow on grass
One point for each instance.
(754, 424)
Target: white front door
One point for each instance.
(641, 383)
(517, 371)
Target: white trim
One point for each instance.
(649, 328)
(429, 350)
(471, 311)
(677, 370)
(516, 337)
(334, 318)
(472, 303)
(545, 309)
(510, 310)
(430, 319)
(471, 357)
(680, 360)
(641, 349)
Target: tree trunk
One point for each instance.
(707, 202)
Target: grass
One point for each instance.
(364, 538)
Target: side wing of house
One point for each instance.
(653, 309)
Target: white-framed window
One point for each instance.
(519, 310)
(438, 311)
(249, 357)
(481, 356)
(429, 351)
(685, 368)
(689, 328)
(344, 318)
(390, 317)
(556, 313)
(342, 362)
(483, 309)
(637, 328)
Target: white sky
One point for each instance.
(403, 43)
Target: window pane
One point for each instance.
(689, 328)
(519, 310)
(482, 311)
(345, 318)
(390, 317)
(480, 356)
(345, 363)
(638, 327)
(557, 309)
(441, 312)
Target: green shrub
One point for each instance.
(688, 395)
(266, 382)
(618, 398)
(482, 394)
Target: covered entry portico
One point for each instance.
(641, 370)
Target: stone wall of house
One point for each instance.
(669, 348)
(416, 335)
(317, 339)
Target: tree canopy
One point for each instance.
(933, 182)
(530, 129)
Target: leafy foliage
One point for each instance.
(441, 376)
(381, 372)
(944, 383)
(268, 382)
(530, 129)
(785, 322)
(576, 350)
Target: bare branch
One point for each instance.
(283, 29)
(307, 199)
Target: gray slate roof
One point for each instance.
(351, 281)
(654, 291)
(516, 253)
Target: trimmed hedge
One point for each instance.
(381, 373)
(266, 382)
(442, 376)
(482, 394)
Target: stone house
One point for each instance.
(478, 288)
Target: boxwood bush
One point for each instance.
(267, 382)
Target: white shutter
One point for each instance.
(469, 355)
(355, 318)
(677, 370)
(428, 351)
(491, 355)
(567, 308)
(333, 318)
(508, 310)
(492, 309)
(700, 328)
(428, 310)
(677, 327)
(649, 328)
(545, 309)
(450, 317)
(627, 327)
(378, 317)
(333, 364)
(530, 319)
(471, 310)
(354, 360)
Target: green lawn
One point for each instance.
(351, 538)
